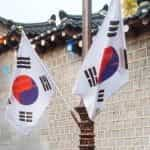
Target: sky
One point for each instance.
(30, 11)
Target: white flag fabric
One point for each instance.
(104, 69)
(31, 90)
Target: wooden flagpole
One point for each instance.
(86, 126)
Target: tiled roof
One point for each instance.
(140, 21)
(75, 21)
(30, 28)
(49, 35)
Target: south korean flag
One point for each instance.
(105, 69)
(31, 89)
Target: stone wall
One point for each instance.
(125, 122)
(123, 125)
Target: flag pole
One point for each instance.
(86, 126)
(86, 25)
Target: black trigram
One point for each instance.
(91, 76)
(25, 116)
(100, 96)
(9, 101)
(45, 83)
(23, 62)
(125, 58)
(113, 27)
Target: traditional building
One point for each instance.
(125, 122)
